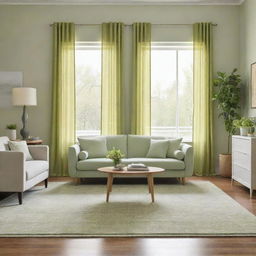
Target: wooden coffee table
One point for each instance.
(149, 174)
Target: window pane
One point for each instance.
(88, 88)
(163, 92)
(185, 93)
(172, 90)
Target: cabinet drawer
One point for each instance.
(242, 159)
(241, 175)
(241, 145)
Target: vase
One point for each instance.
(117, 164)
(243, 131)
(12, 134)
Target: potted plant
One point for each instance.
(227, 97)
(11, 130)
(116, 155)
(244, 124)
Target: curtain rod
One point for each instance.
(213, 24)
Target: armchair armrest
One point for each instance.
(12, 171)
(39, 152)
(189, 161)
(73, 152)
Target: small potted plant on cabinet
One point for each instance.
(227, 97)
(11, 130)
(245, 125)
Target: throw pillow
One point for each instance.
(83, 155)
(158, 148)
(178, 154)
(174, 144)
(4, 143)
(95, 146)
(20, 146)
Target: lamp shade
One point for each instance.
(24, 96)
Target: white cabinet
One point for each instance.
(244, 161)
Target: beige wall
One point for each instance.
(25, 45)
(247, 51)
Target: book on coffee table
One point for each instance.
(137, 167)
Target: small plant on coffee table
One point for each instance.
(116, 155)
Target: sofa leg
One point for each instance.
(183, 180)
(20, 197)
(46, 183)
(77, 181)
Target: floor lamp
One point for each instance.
(24, 96)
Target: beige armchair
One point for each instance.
(18, 175)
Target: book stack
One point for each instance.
(137, 167)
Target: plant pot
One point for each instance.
(243, 131)
(225, 165)
(12, 134)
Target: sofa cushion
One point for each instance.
(93, 164)
(118, 142)
(4, 143)
(158, 149)
(95, 146)
(138, 145)
(174, 144)
(35, 167)
(165, 163)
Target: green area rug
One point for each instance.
(67, 210)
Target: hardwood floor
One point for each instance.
(141, 246)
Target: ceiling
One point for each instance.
(123, 2)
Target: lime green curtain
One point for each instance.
(203, 116)
(63, 97)
(141, 93)
(112, 121)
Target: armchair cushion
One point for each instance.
(20, 146)
(35, 167)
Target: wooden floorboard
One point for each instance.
(141, 246)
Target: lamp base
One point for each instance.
(24, 132)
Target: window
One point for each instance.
(88, 88)
(172, 90)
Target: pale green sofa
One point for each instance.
(135, 148)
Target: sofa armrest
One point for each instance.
(189, 159)
(73, 152)
(39, 152)
(12, 171)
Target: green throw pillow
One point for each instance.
(178, 154)
(174, 144)
(158, 148)
(95, 146)
(83, 155)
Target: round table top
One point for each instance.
(111, 169)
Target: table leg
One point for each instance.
(111, 182)
(109, 185)
(152, 187)
(149, 187)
